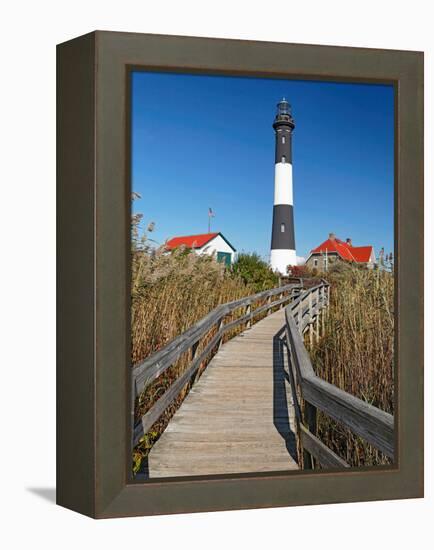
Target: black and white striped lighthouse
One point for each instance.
(283, 237)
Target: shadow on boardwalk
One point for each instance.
(281, 414)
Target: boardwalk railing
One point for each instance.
(201, 341)
(311, 393)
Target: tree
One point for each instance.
(254, 271)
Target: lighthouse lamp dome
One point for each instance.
(283, 107)
(283, 116)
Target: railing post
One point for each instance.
(310, 421)
(219, 327)
(318, 312)
(194, 350)
(323, 321)
(269, 303)
(295, 292)
(310, 320)
(248, 312)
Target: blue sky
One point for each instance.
(208, 141)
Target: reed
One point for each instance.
(169, 293)
(356, 352)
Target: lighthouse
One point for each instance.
(282, 236)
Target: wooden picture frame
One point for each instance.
(93, 374)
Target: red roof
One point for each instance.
(359, 254)
(190, 241)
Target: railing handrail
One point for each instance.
(155, 365)
(143, 373)
(362, 418)
(365, 420)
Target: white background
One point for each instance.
(29, 32)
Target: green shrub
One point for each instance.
(254, 271)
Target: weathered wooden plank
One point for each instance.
(292, 380)
(326, 457)
(250, 439)
(363, 419)
(259, 296)
(226, 407)
(205, 467)
(298, 351)
(256, 433)
(167, 398)
(235, 418)
(310, 418)
(174, 390)
(157, 363)
(217, 447)
(234, 409)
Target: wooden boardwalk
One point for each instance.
(239, 416)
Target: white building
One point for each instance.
(206, 243)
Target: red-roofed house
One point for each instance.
(333, 249)
(206, 243)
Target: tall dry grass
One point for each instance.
(356, 352)
(169, 293)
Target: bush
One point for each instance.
(299, 271)
(254, 272)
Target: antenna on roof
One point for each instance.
(210, 215)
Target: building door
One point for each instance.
(224, 257)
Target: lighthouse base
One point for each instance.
(281, 258)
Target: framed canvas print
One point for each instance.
(240, 263)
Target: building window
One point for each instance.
(225, 258)
(282, 228)
(283, 159)
(315, 263)
(283, 139)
